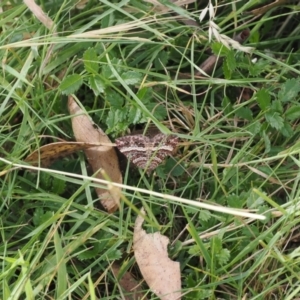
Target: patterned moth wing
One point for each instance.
(146, 152)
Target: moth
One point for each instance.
(147, 152)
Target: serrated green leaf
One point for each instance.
(289, 90)
(159, 111)
(287, 130)
(115, 120)
(58, 186)
(204, 215)
(254, 128)
(134, 115)
(219, 49)
(235, 201)
(131, 77)
(293, 113)
(114, 99)
(90, 60)
(223, 256)
(277, 106)
(97, 85)
(71, 84)
(274, 119)
(106, 69)
(267, 142)
(231, 61)
(145, 94)
(263, 99)
(245, 113)
(226, 71)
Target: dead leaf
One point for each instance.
(47, 154)
(103, 158)
(159, 271)
(129, 284)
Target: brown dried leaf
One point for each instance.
(129, 284)
(102, 158)
(159, 271)
(47, 154)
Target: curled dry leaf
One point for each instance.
(103, 158)
(47, 154)
(128, 284)
(159, 271)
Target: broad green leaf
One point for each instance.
(90, 60)
(131, 77)
(204, 215)
(277, 106)
(267, 142)
(223, 256)
(263, 99)
(287, 130)
(231, 61)
(134, 115)
(219, 49)
(227, 72)
(274, 119)
(161, 60)
(96, 84)
(293, 113)
(114, 99)
(245, 113)
(289, 90)
(71, 84)
(106, 69)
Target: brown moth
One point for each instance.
(147, 152)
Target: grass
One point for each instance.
(133, 67)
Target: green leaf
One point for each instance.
(254, 128)
(287, 130)
(161, 60)
(204, 215)
(231, 61)
(245, 113)
(159, 111)
(71, 84)
(114, 99)
(145, 94)
(227, 106)
(277, 106)
(90, 60)
(115, 120)
(134, 115)
(263, 99)
(131, 77)
(223, 256)
(227, 72)
(219, 49)
(235, 201)
(97, 85)
(267, 142)
(106, 69)
(274, 119)
(289, 90)
(293, 113)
